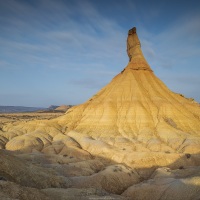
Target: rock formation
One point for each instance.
(63, 108)
(116, 140)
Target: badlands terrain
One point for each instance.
(135, 139)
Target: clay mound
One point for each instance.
(24, 173)
(82, 194)
(168, 184)
(63, 108)
(13, 191)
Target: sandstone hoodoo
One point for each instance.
(131, 136)
(138, 108)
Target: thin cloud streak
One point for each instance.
(179, 42)
(69, 42)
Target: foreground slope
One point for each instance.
(118, 138)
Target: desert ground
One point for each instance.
(66, 171)
(26, 116)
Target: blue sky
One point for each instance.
(64, 51)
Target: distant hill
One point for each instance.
(14, 109)
(63, 108)
(53, 108)
(17, 109)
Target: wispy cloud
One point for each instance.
(174, 54)
(88, 39)
(87, 83)
(178, 43)
(48, 32)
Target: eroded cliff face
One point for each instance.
(116, 139)
(137, 109)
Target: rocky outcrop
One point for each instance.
(63, 108)
(26, 174)
(168, 184)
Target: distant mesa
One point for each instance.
(54, 108)
(63, 108)
(15, 109)
(21, 109)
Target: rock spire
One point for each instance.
(136, 57)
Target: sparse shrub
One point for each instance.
(181, 167)
(65, 155)
(141, 179)
(97, 170)
(167, 151)
(122, 71)
(123, 149)
(188, 155)
(3, 178)
(115, 170)
(71, 157)
(129, 174)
